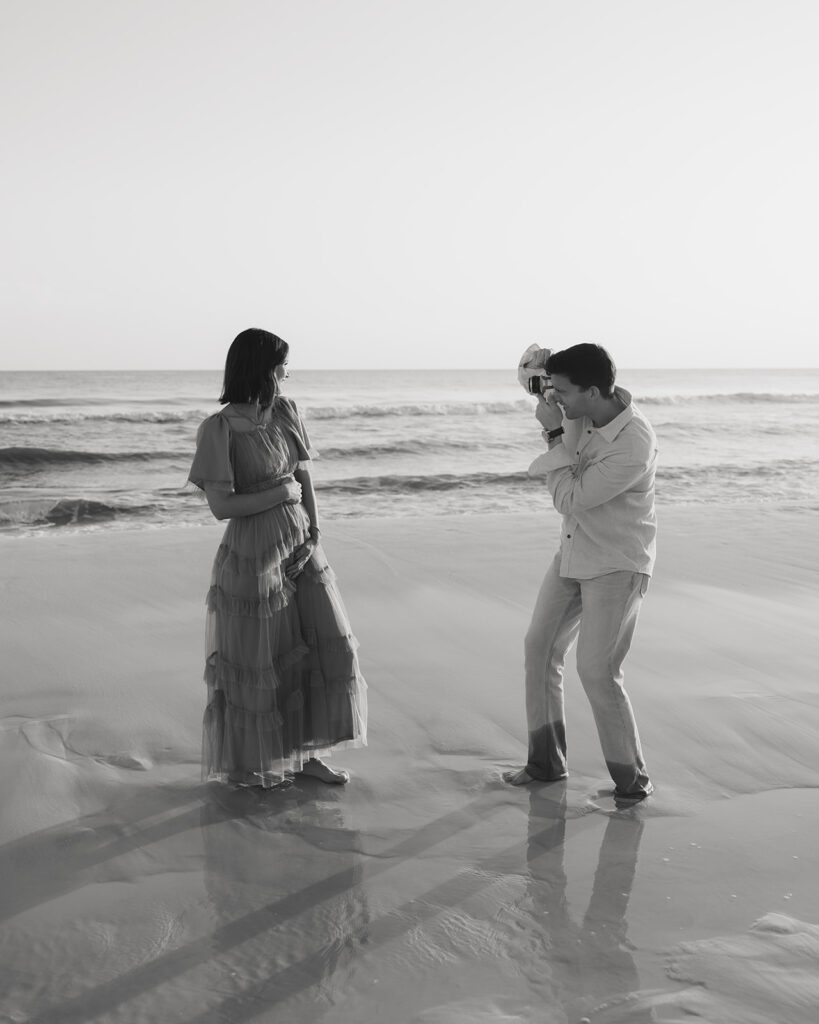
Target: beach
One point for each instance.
(427, 891)
(427, 203)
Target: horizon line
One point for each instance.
(394, 369)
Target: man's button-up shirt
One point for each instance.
(602, 482)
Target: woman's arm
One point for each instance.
(308, 499)
(302, 555)
(224, 504)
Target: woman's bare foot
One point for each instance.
(324, 773)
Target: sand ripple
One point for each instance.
(770, 975)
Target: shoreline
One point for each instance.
(115, 525)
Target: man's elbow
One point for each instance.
(564, 503)
(573, 504)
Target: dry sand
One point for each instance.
(426, 891)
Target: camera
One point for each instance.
(539, 384)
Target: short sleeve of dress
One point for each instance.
(290, 414)
(211, 463)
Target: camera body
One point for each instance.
(539, 385)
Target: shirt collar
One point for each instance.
(613, 428)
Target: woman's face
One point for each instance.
(280, 372)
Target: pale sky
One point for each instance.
(408, 183)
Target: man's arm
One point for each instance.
(550, 416)
(598, 483)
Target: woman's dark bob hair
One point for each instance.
(585, 365)
(252, 357)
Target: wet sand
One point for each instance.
(427, 890)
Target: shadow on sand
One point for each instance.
(597, 965)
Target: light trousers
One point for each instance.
(601, 613)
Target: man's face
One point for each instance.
(573, 399)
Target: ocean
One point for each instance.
(108, 450)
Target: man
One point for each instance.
(600, 471)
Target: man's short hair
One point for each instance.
(585, 365)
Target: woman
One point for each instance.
(283, 680)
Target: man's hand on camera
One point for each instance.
(548, 413)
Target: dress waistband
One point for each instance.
(263, 485)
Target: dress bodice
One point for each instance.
(261, 455)
(246, 456)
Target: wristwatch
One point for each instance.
(553, 435)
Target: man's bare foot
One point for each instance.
(324, 773)
(518, 778)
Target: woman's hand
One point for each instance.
(301, 556)
(291, 492)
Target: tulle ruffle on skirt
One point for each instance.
(282, 672)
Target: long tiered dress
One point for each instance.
(281, 670)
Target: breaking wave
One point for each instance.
(50, 411)
(69, 512)
(36, 458)
(412, 483)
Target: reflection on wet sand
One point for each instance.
(290, 912)
(323, 962)
(589, 961)
(263, 853)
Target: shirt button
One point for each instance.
(588, 431)
(569, 536)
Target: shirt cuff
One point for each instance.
(558, 458)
